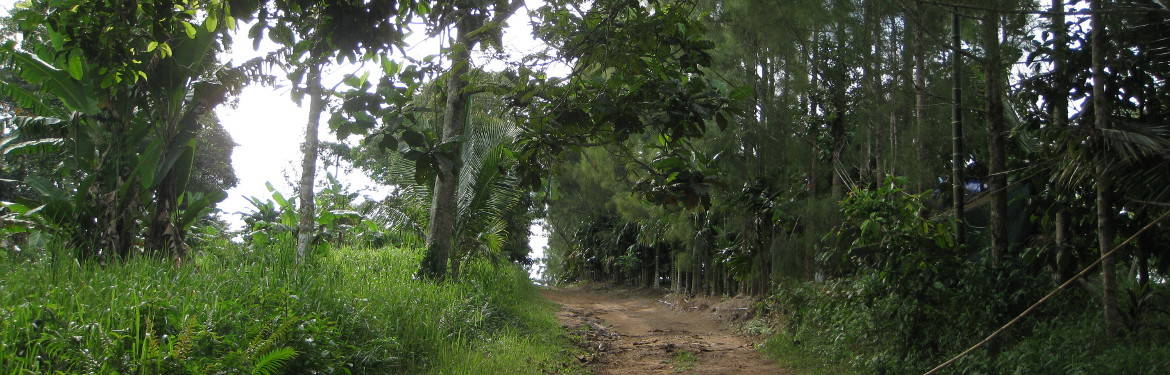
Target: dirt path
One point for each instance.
(630, 333)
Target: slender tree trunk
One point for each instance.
(657, 263)
(441, 241)
(1145, 243)
(995, 135)
(813, 107)
(837, 129)
(890, 136)
(441, 231)
(1105, 210)
(919, 97)
(696, 267)
(676, 282)
(873, 74)
(957, 159)
(1059, 104)
(306, 209)
(840, 98)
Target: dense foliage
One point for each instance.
(897, 186)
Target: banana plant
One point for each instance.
(339, 220)
(132, 99)
(271, 218)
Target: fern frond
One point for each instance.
(274, 361)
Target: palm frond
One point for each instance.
(1124, 150)
(1135, 141)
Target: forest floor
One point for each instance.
(641, 332)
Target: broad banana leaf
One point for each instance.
(74, 94)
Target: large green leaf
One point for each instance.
(198, 205)
(38, 146)
(59, 83)
(28, 100)
(148, 163)
(32, 135)
(46, 188)
(184, 165)
(192, 54)
(76, 65)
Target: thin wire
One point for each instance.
(1044, 12)
(1045, 298)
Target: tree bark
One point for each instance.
(306, 210)
(840, 98)
(441, 239)
(919, 97)
(957, 159)
(997, 181)
(1105, 210)
(813, 107)
(441, 231)
(657, 269)
(1059, 104)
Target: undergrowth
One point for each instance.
(899, 298)
(348, 310)
(855, 326)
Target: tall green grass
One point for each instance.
(347, 310)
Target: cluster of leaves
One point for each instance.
(623, 83)
(124, 92)
(341, 218)
(883, 228)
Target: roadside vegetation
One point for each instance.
(231, 309)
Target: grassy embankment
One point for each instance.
(230, 311)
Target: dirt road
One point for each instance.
(632, 333)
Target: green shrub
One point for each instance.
(899, 301)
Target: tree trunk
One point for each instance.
(919, 98)
(837, 130)
(306, 210)
(957, 159)
(1146, 242)
(813, 107)
(657, 262)
(873, 73)
(997, 181)
(1059, 105)
(676, 282)
(441, 231)
(1105, 210)
(441, 241)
